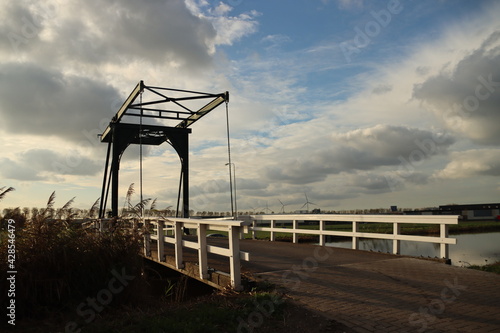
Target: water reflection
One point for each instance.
(471, 249)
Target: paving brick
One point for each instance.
(373, 292)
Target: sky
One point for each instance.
(354, 103)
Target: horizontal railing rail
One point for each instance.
(397, 221)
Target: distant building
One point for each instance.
(472, 211)
(468, 212)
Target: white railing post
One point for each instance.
(234, 258)
(396, 243)
(295, 226)
(242, 233)
(444, 251)
(355, 239)
(202, 250)
(161, 241)
(147, 244)
(178, 245)
(273, 225)
(254, 225)
(321, 236)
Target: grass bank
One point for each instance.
(493, 268)
(165, 309)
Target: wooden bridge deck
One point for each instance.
(374, 292)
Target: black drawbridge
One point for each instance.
(163, 106)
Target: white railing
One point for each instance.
(170, 230)
(397, 221)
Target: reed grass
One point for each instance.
(59, 263)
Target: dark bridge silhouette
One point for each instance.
(181, 107)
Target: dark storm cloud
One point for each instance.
(244, 185)
(37, 94)
(471, 163)
(98, 32)
(157, 31)
(467, 100)
(44, 164)
(43, 102)
(364, 149)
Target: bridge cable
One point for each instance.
(140, 158)
(229, 164)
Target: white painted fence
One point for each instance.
(170, 230)
(397, 221)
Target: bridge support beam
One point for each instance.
(123, 135)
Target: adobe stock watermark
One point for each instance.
(263, 309)
(471, 103)
(408, 166)
(428, 147)
(202, 200)
(290, 279)
(427, 314)
(293, 278)
(29, 27)
(372, 29)
(89, 309)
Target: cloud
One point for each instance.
(231, 29)
(466, 98)
(69, 65)
(275, 41)
(471, 163)
(228, 28)
(38, 101)
(45, 164)
(363, 149)
(13, 170)
(244, 185)
(382, 89)
(93, 32)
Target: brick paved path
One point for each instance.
(373, 292)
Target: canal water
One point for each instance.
(471, 249)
